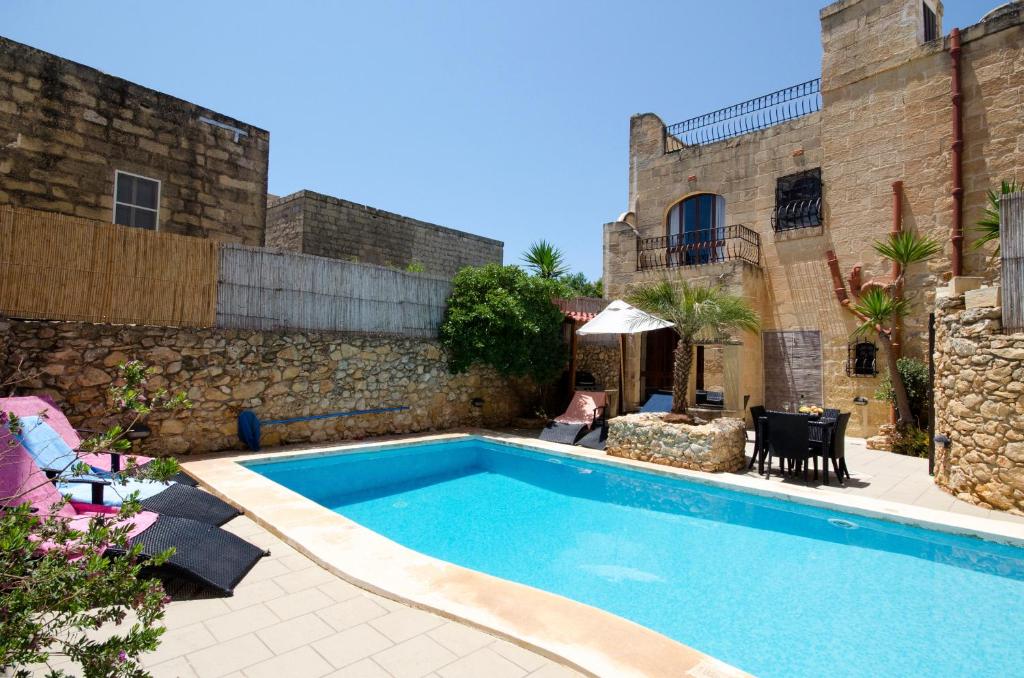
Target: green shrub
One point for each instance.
(500, 316)
(910, 441)
(915, 379)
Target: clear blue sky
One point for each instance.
(509, 120)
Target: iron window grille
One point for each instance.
(931, 23)
(797, 201)
(862, 359)
(136, 201)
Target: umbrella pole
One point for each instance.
(572, 359)
(622, 372)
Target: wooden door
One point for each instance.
(661, 345)
(792, 368)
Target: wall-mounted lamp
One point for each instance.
(477, 402)
(860, 400)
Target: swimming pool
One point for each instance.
(770, 586)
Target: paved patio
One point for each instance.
(290, 617)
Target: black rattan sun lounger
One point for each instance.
(567, 434)
(596, 438)
(185, 501)
(208, 554)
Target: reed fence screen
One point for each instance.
(273, 290)
(58, 267)
(1011, 252)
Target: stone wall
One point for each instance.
(716, 446)
(313, 223)
(601, 360)
(277, 375)
(66, 128)
(979, 406)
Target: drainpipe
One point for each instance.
(897, 290)
(957, 235)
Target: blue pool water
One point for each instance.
(773, 587)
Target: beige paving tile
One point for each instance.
(285, 636)
(302, 662)
(176, 642)
(520, 656)
(175, 668)
(241, 622)
(414, 658)
(553, 670)
(460, 639)
(232, 655)
(295, 561)
(181, 613)
(300, 603)
(266, 568)
(366, 668)
(340, 590)
(352, 645)
(483, 662)
(307, 578)
(351, 612)
(250, 593)
(404, 623)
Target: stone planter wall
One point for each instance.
(278, 375)
(979, 406)
(716, 446)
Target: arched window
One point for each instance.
(696, 230)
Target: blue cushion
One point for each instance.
(658, 402)
(114, 494)
(45, 445)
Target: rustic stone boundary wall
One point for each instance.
(276, 374)
(600, 360)
(716, 446)
(979, 406)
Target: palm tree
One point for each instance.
(545, 260)
(699, 312)
(881, 310)
(988, 227)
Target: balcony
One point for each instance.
(696, 248)
(742, 118)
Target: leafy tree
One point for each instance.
(545, 260)
(880, 309)
(500, 316)
(914, 374)
(699, 312)
(577, 285)
(988, 226)
(56, 604)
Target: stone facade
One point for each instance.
(979, 406)
(715, 446)
(277, 375)
(885, 117)
(313, 223)
(66, 128)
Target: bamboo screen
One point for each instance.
(273, 290)
(1011, 251)
(58, 267)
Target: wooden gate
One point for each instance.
(792, 369)
(1011, 249)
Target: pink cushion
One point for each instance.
(583, 408)
(137, 524)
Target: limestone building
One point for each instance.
(780, 198)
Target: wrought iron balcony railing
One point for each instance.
(749, 116)
(708, 246)
(797, 214)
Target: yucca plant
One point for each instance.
(987, 227)
(879, 311)
(699, 312)
(545, 260)
(906, 248)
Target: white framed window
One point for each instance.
(136, 200)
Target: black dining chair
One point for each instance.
(788, 441)
(838, 450)
(756, 412)
(830, 413)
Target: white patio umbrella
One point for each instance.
(620, 318)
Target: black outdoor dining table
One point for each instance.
(820, 430)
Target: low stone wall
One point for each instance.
(979, 406)
(276, 374)
(716, 446)
(601, 360)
